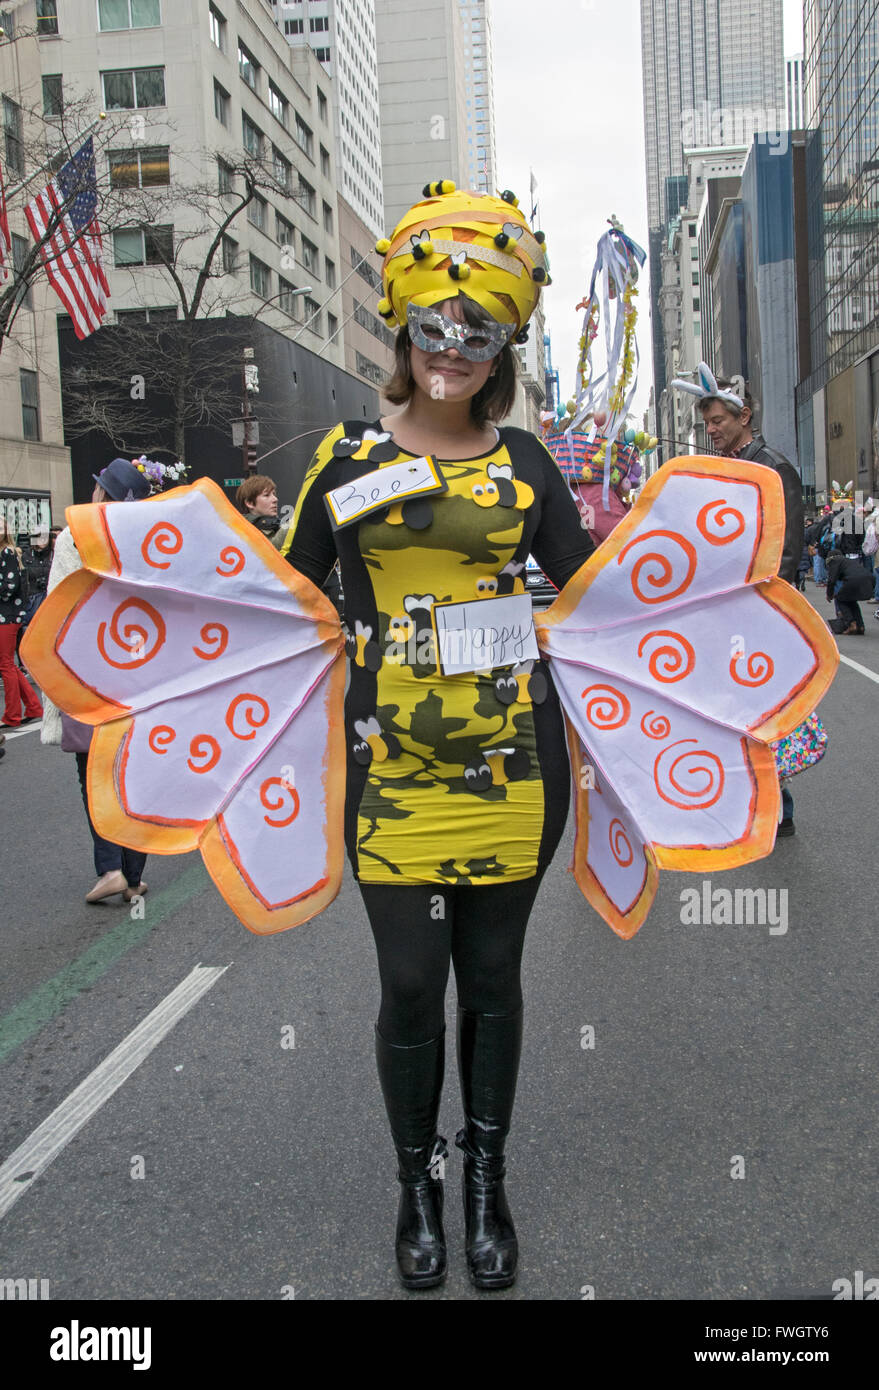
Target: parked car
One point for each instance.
(541, 589)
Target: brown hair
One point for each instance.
(252, 488)
(492, 403)
(724, 385)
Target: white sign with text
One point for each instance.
(484, 633)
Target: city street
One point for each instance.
(713, 1139)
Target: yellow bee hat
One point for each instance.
(463, 242)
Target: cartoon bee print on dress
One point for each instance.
(361, 648)
(379, 446)
(419, 608)
(498, 487)
(509, 580)
(523, 685)
(417, 514)
(373, 745)
(486, 586)
(496, 766)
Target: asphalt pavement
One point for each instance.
(716, 1142)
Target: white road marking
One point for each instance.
(20, 733)
(48, 1139)
(864, 670)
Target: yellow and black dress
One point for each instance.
(455, 779)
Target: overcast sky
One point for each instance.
(569, 105)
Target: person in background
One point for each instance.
(119, 869)
(730, 428)
(847, 584)
(36, 559)
(17, 690)
(813, 536)
(257, 498)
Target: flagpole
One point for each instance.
(45, 167)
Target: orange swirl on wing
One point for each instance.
(717, 520)
(759, 666)
(665, 567)
(607, 708)
(161, 737)
(255, 716)
(216, 633)
(277, 804)
(676, 662)
(659, 726)
(203, 745)
(620, 845)
(703, 770)
(138, 641)
(164, 538)
(233, 557)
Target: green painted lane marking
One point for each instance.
(48, 999)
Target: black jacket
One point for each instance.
(758, 451)
(856, 582)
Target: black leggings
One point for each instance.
(420, 928)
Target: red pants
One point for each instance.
(16, 687)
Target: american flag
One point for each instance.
(72, 254)
(5, 239)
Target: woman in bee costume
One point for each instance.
(458, 775)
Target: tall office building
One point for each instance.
(422, 78)
(341, 34)
(713, 73)
(838, 403)
(475, 19)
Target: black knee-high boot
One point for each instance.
(411, 1081)
(489, 1047)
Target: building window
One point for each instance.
(310, 256)
(133, 87)
(53, 96)
(279, 104)
(136, 168)
(146, 315)
(282, 169)
(293, 26)
(225, 174)
(285, 233)
(695, 277)
(365, 270)
(20, 250)
(12, 131)
(260, 278)
(322, 55)
(304, 137)
(256, 212)
(371, 370)
(248, 67)
(312, 312)
(221, 104)
(332, 326)
(230, 255)
(306, 196)
(695, 306)
(330, 272)
(218, 29)
(30, 404)
(252, 136)
(128, 14)
(691, 228)
(47, 23)
(328, 218)
(324, 162)
(287, 296)
(321, 105)
(143, 246)
(321, 25)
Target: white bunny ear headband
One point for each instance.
(707, 389)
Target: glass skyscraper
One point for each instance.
(842, 170)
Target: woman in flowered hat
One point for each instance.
(458, 773)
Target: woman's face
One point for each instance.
(447, 376)
(266, 504)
